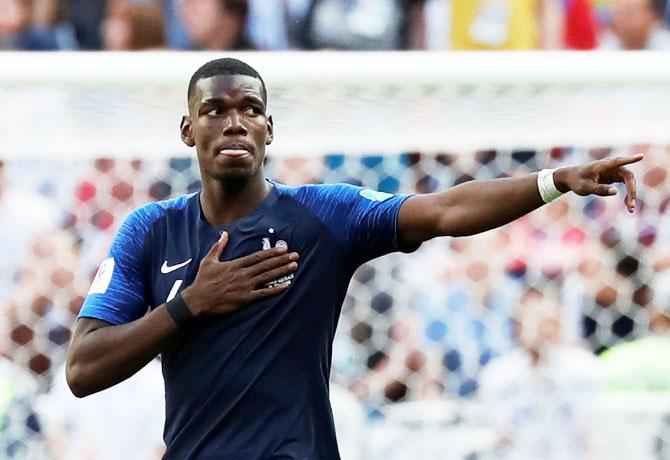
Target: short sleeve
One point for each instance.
(117, 293)
(364, 221)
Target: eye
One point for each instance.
(214, 112)
(252, 111)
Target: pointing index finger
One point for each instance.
(623, 161)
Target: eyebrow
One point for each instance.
(219, 100)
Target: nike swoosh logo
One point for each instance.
(170, 268)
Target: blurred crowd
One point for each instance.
(513, 319)
(334, 24)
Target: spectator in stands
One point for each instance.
(495, 25)
(216, 24)
(638, 25)
(522, 24)
(13, 18)
(540, 396)
(364, 25)
(133, 27)
(34, 25)
(580, 25)
(277, 25)
(86, 17)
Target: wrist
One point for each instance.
(560, 179)
(191, 300)
(546, 185)
(180, 312)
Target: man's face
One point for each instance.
(13, 17)
(632, 21)
(211, 24)
(229, 127)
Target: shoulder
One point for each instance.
(333, 194)
(316, 190)
(144, 217)
(132, 234)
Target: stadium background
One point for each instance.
(429, 360)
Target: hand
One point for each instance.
(595, 178)
(224, 287)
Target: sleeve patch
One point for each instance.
(374, 195)
(103, 277)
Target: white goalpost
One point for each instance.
(123, 104)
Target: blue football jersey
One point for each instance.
(252, 384)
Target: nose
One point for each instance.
(233, 125)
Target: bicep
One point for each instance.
(363, 221)
(421, 218)
(85, 326)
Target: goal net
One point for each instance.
(547, 338)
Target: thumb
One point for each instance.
(218, 247)
(604, 190)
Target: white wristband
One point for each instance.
(546, 185)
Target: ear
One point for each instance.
(271, 131)
(186, 131)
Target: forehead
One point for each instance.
(227, 87)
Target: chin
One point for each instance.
(235, 178)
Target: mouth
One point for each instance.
(234, 150)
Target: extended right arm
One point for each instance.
(102, 354)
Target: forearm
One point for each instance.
(101, 355)
(467, 209)
(478, 206)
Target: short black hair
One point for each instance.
(224, 66)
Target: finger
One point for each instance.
(618, 162)
(631, 188)
(271, 263)
(259, 256)
(266, 277)
(217, 248)
(267, 292)
(603, 190)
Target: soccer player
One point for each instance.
(213, 283)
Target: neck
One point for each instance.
(223, 202)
